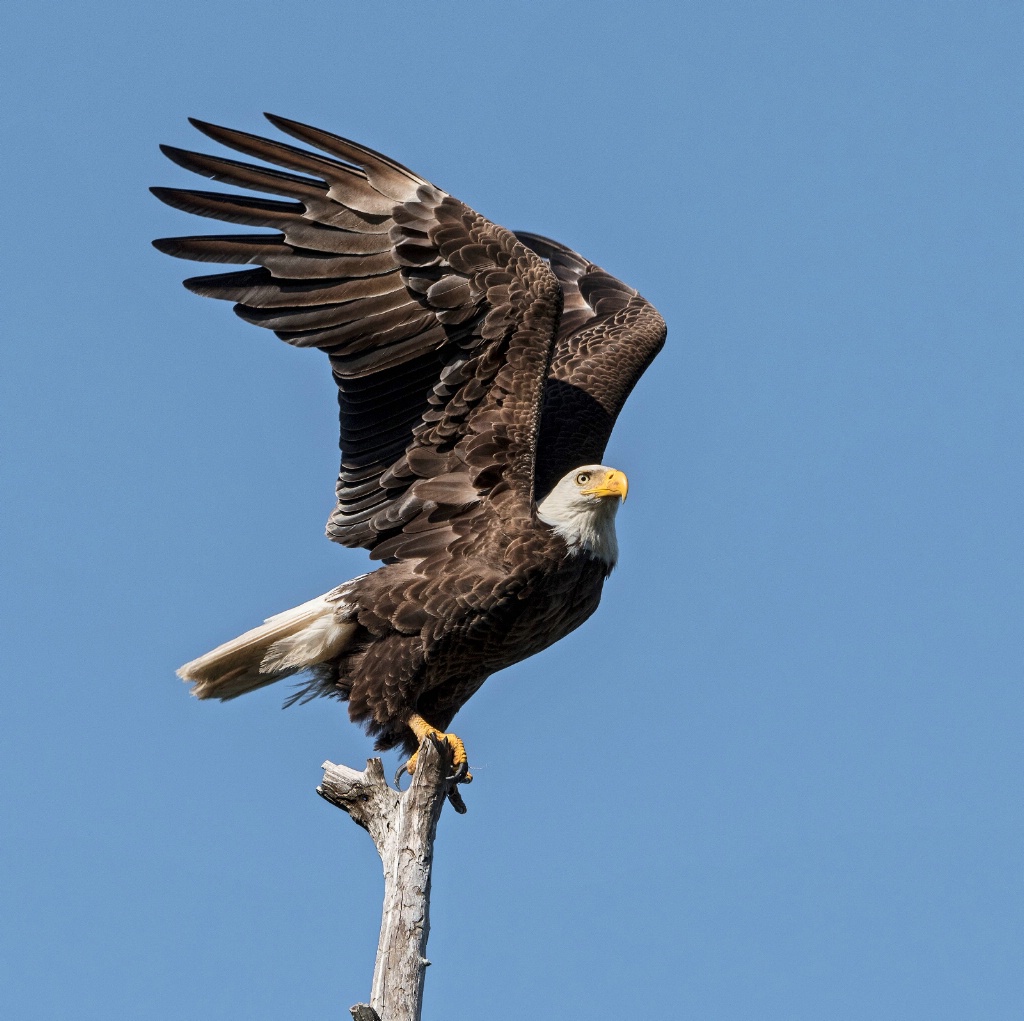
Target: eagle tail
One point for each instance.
(283, 645)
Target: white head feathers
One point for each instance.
(581, 508)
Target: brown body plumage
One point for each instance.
(477, 371)
(420, 644)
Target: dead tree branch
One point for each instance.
(402, 826)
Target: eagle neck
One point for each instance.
(589, 530)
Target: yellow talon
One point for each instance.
(460, 761)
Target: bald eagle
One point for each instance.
(479, 375)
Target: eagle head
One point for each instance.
(581, 508)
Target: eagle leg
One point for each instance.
(460, 761)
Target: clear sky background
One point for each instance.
(779, 774)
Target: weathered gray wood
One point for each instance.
(403, 826)
(363, 1012)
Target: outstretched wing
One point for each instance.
(439, 325)
(608, 336)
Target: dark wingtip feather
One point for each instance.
(178, 156)
(208, 128)
(197, 285)
(283, 123)
(377, 164)
(169, 246)
(297, 129)
(231, 137)
(228, 285)
(241, 249)
(165, 195)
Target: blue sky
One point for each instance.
(779, 774)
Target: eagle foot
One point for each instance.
(460, 761)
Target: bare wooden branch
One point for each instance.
(363, 1012)
(403, 826)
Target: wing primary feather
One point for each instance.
(242, 248)
(385, 174)
(352, 181)
(280, 153)
(245, 175)
(244, 209)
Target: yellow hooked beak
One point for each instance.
(614, 483)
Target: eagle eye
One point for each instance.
(582, 478)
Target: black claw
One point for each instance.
(402, 770)
(456, 800)
(461, 774)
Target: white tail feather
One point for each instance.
(284, 644)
